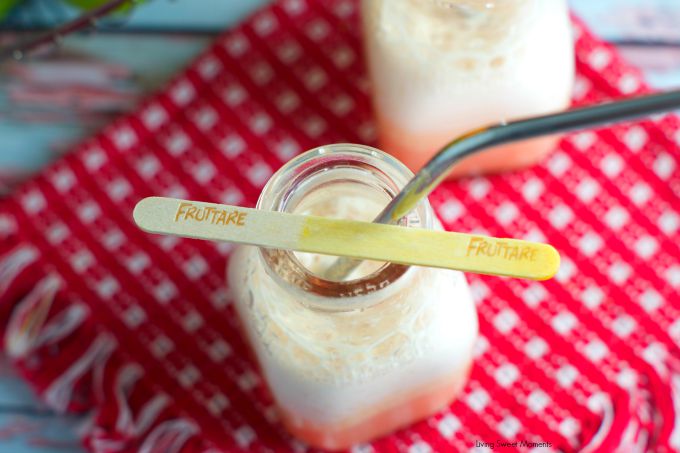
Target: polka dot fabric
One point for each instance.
(138, 331)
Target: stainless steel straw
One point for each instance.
(432, 174)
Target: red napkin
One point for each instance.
(138, 330)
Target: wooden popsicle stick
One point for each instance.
(361, 240)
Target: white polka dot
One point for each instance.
(646, 247)
(560, 216)
(218, 403)
(509, 426)
(231, 196)
(248, 381)
(94, 159)
(616, 217)
(343, 57)
(137, 263)
(164, 291)
(628, 83)
(286, 149)
(538, 400)
(664, 165)
(177, 144)
(451, 210)
(532, 189)
(669, 222)
(481, 345)
(672, 276)
(655, 354)
(259, 173)
(636, 138)
(134, 316)
(205, 118)
(219, 350)
(587, 190)
(448, 426)
(506, 375)
(584, 140)
(124, 138)
(623, 326)
(564, 322)
(260, 123)
(81, 261)
(289, 52)
(89, 211)
(188, 376)
(590, 243)
(505, 320)
(640, 193)
(569, 427)
(599, 58)
(182, 93)
(566, 375)
(479, 187)
(107, 287)
(420, 447)
(314, 126)
(596, 350)
(148, 166)
(161, 346)
(232, 146)
(209, 68)
(559, 163)
(233, 95)
(154, 116)
(611, 165)
(506, 213)
(619, 272)
(265, 23)
(674, 330)
(192, 321)
(33, 201)
(627, 378)
(566, 271)
(204, 171)
(650, 300)
(534, 294)
(536, 348)
(118, 189)
(237, 44)
(478, 400)
(195, 267)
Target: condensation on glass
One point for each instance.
(349, 361)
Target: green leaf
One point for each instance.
(89, 4)
(6, 6)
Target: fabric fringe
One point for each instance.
(41, 326)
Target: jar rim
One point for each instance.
(386, 170)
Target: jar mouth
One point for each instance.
(368, 170)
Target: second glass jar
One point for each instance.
(441, 68)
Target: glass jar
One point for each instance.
(443, 68)
(348, 361)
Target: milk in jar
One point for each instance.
(349, 361)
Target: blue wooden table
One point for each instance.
(645, 30)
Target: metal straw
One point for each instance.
(434, 172)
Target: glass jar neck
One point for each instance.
(342, 181)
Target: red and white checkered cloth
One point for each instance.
(138, 329)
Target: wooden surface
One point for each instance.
(138, 55)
